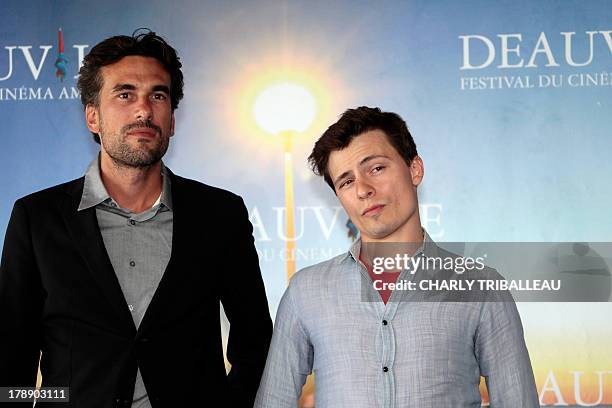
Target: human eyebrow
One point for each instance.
(362, 163)
(161, 88)
(123, 87)
(367, 159)
(342, 177)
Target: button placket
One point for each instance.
(388, 351)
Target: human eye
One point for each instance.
(123, 95)
(345, 183)
(160, 96)
(378, 169)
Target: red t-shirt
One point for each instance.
(385, 277)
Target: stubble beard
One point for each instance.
(384, 228)
(123, 154)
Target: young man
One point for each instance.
(372, 348)
(117, 276)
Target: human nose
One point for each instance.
(144, 110)
(364, 189)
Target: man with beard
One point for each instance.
(113, 280)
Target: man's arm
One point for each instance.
(289, 360)
(244, 300)
(503, 357)
(21, 301)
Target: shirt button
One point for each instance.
(384, 322)
(385, 369)
(132, 263)
(132, 222)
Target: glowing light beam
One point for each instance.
(284, 107)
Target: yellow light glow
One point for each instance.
(284, 106)
(245, 86)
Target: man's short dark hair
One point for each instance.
(143, 42)
(351, 124)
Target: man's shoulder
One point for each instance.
(53, 193)
(320, 273)
(191, 186)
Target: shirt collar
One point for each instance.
(166, 194)
(428, 246)
(95, 193)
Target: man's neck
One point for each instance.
(411, 231)
(406, 242)
(133, 188)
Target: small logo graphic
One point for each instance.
(61, 61)
(352, 229)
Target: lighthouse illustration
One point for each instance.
(61, 61)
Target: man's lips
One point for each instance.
(373, 210)
(143, 132)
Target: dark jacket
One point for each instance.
(59, 294)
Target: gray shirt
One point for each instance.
(138, 246)
(363, 353)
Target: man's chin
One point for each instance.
(137, 162)
(376, 233)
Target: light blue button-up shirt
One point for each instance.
(331, 321)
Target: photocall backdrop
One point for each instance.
(509, 104)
